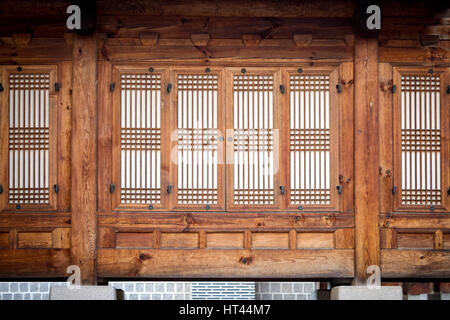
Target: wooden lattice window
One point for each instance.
(421, 140)
(312, 137)
(198, 174)
(28, 138)
(141, 127)
(253, 138)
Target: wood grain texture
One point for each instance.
(366, 156)
(415, 263)
(28, 240)
(221, 240)
(84, 157)
(232, 263)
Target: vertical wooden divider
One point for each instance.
(367, 239)
(84, 157)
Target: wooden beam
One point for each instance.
(84, 156)
(232, 263)
(367, 239)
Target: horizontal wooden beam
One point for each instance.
(179, 221)
(231, 264)
(34, 220)
(415, 263)
(34, 262)
(415, 221)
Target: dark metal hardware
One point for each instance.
(300, 207)
(207, 70)
(448, 89)
(394, 189)
(230, 139)
(207, 207)
(19, 69)
(282, 189)
(151, 69)
(299, 70)
(430, 71)
(339, 88)
(220, 138)
(169, 188)
(1, 87)
(394, 88)
(112, 188)
(150, 206)
(18, 206)
(57, 86)
(243, 70)
(56, 187)
(282, 89)
(112, 86)
(432, 208)
(169, 87)
(1, 189)
(339, 189)
(448, 191)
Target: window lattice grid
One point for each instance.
(254, 136)
(420, 140)
(197, 144)
(29, 138)
(140, 136)
(309, 109)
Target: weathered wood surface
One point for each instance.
(232, 263)
(84, 157)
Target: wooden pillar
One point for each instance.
(367, 243)
(84, 157)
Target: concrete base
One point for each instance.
(83, 293)
(364, 293)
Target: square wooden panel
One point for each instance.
(311, 137)
(421, 146)
(28, 144)
(198, 125)
(140, 164)
(253, 133)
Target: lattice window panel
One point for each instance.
(420, 140)
(197, 144)
(29, 138)
(309, 139)
(140, 138)
(254, 156)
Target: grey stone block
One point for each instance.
(83, 293)
(365, 293)
(43, 287)
(308, 287)
(179, 296)
(445, 296)
(36, 296)
(266, 296)
(159, 287)
(289, 296)
(14, 287)
(140, 287)
(156, 296)
(18, 296)
(167, 296)
(4, 286)
(286, 287)
(34, 287)
(170, 287)
(144, 296)
(277, 297)
(45, 296)
(27, 296)
(129, 287)
(275, 287)
(301, 297)
(133, 296)
(149, 287)
(23, 287)
(7, 296)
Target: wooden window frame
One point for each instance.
(164, 204)
(54, 118)
(445, 145)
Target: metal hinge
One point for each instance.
(1, 88)
(394, 189)
(339, 88)
(169, 87)
(112, 188)
(1, 189)
(394, 88)
(339, 189)
(282, 189)
(169, 188)
(112, 86)
(282, 89)
(56, 187)
(57, 86)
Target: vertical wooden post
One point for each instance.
(84, 157)
(367, 239)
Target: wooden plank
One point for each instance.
(386, 137)
(104, 135)
(388, 238)
(34, 220)
(106, 238)
(178, 221)
(232, 263)
(270, 240)
(134, 240)
(366, 157)
(84, 157)
(413, 56)
(61, 238)
(4, 240)
(64, 135)
(315, 240)
(415, 241)
(34, 263)
(27, 240)
(416, 288)
(179, 240)
(344, 239)
(438, 240)
(225, 240)
(416, 221)
(446, 241)
(415, 263)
